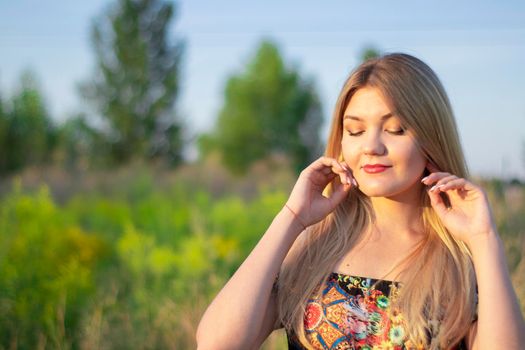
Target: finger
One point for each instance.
(327, 165)
(437, 202)
(330, 176)
(333, 167)
(333, 163)
(339, 171)
(344, 178)
(345, 175)
(458, 184)
(339, 193)
(350, 173)
(434, 177)
(322, 163)
(344, 165)
(326, 170)
(444, 180)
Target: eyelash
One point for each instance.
(395, 132)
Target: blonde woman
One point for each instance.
(384, 243)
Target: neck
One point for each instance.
(398, 216)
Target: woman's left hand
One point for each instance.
(469, 216)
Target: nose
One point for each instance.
(373, 144)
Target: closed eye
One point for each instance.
(355, 133)
(393, 132)
(397, 132)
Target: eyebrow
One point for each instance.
(386, 116)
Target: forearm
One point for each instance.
(500, 323)
(234, 318)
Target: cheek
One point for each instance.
(350, 154)
(416, 155)
(415, 161)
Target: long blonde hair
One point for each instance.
(439, 283)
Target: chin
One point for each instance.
(381, 190)
(374, 191)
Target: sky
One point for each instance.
(477, 48)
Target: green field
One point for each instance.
(129, 259)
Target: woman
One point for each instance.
(383, 242)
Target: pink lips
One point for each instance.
(375, 168)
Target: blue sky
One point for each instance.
(476, 47)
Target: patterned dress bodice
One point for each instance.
(354, 312)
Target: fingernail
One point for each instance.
(435, 187)
(354, 182)
(424, 179)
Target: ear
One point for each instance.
(431, 167)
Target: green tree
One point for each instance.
(29, 136)
(136, 82)
(268, 109)
(369, 52)
(78, 143)
(3, 136)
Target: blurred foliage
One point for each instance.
(79, 144)
(136, 82)
(133, 92)
(268, 109)
(46, 269)
(130, 259)
(130, 267)
(369, 52)
(27, 133)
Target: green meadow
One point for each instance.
(130, 258)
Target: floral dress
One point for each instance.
(354, 313)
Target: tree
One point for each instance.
(268, 109)
(78, 143)
(29, 135)
(3, 136)
(369, 52)
(136, 82)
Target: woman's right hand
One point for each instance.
(307, 201)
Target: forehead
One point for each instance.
(367, 103)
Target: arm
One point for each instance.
(242, 315)
(237, 313)
(500, 324)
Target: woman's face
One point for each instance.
(383, 156)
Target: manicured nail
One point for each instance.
(424, 179)
(354, 182)
(435, 187)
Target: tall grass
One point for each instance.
(129, 259)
